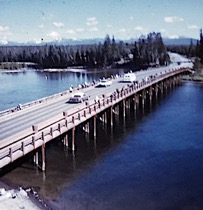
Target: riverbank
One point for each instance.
(194, 78)
(13, 70)
(15, 198)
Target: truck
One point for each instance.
(129, 77)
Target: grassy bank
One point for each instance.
(194, 77)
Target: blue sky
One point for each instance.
(48, 20)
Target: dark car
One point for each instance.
(78, 97)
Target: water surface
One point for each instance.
(152, 159)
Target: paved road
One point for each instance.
(14, 123)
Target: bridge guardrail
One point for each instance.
(44, 99)
(24, 142)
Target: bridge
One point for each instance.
(38, 122)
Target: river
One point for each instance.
(152, 159)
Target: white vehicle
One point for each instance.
(104, 83)
(78, 97)
(129, 77)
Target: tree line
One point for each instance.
(146, 51)
(193, 50)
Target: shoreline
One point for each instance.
(18, 198)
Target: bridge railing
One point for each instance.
(22, 143)
(45, 99)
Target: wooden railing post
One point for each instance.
(35, 128)
(65, 114)
(11, 154)
(33, 141)
(23, 148)
(59, 127)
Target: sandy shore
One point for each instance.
(18, 198)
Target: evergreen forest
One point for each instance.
(144, 52)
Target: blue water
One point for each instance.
(158, 165)
(32, 85)
(152, 159)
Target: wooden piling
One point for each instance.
(73, 139)
(43, 157)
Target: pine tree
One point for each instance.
(201, 47)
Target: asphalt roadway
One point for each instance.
(18, 121)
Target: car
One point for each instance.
(78, 97)
(104, 83)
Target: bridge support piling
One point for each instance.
(128, 103)
(124, 104)
(150, 96)
(118, 109)
(88, 127)
(156, 91)
(65, 141)
(161, 88)
(105, 117)
(111, 116)
(95, 126)
(143, 97)
(43, 158)
(36, 158)
(135, 101)
(73, 139)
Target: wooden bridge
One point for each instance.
(29, 129)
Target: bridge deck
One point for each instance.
(39, 122)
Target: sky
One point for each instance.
(53, 20)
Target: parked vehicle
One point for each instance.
(78, 97)
(129, 77)
(104, 83)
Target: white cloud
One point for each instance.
(58, 24)
(54, 35)
(172, 19)
(4, 33)
(131, 17)
(139, 28)
(41, 26)
(122, 30)
(109, 26)
(37, 41)
(173, 36)
(163, 30)
(93, 29)
(91, 21)
(70, 31)
(193, 27)
(3, 41)
(79, 30)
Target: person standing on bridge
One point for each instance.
(71, 89)
(19, 107)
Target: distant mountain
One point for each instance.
(79, 41)
(167, 41)
(179, 41)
